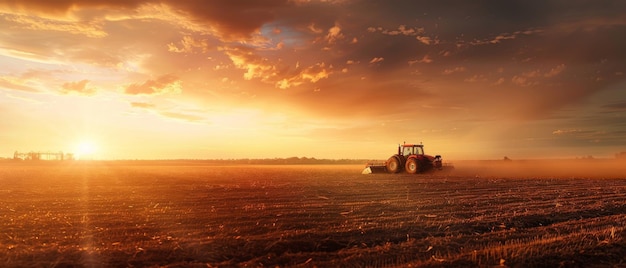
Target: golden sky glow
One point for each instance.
(147, 79)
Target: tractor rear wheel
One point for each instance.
(393, 164)
(412, 166)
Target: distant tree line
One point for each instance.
(288, 161)
(243, 161)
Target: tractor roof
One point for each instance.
(412, 145)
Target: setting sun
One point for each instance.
(86, 149)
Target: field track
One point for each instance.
(115, 214)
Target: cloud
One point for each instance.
(91, 29)
(169, 113)
(78, 87)
(13, 83)
(279, 74)
(256, 66)
(476, 78)
(189, 45)
(311, 74)
(505, 36)
(164, 84)
(403, 30)
(425, 59)
(521, 81)
(454, 70)
(183, 116)
(315, 73)
(537, 76)
(555, 71)
(233, 19)
(314, 29)
(144, 105)
(426, 40)
(377, 60)
(334, 34)
(567, 131)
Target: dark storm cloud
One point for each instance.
(233, 18)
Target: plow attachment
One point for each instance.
(374, 168)
(377, 168)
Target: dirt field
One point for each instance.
(115, 214)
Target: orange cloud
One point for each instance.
(90, 29)
(79, 87)
(314, 29)
(163, 84)
(255, 65)
(183, 116)
(16, 84)
(189, 45)
(334, 34)
(144, 105)
(315, 73)
(377, 60)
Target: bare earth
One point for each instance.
(484, 213)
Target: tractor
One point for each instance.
(410, 158)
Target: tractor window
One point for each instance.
(407, 151)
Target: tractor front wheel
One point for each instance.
(393, 164)
(412, 166)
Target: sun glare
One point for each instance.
(85, 150)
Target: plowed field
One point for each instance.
(115, 214)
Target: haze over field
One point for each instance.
(168, 79)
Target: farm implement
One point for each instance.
(410, 158)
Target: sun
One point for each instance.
(85, 149)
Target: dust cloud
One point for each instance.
(549, 168)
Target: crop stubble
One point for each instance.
(104, 214)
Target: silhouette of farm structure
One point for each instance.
(58, 156)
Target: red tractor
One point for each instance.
(410, 158)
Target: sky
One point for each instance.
(221, 79)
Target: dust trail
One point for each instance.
(549, 168)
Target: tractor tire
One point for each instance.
(413, 166)
(393, 164)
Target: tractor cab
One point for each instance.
(411, 149)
